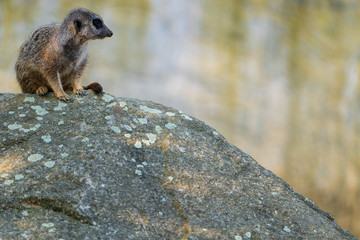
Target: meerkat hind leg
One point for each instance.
(42, 90)
(79, 91)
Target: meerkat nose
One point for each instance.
(110, 33)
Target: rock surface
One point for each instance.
(115, 168)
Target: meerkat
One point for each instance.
(54, 57)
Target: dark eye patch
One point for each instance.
(78, 25)
(97, 23)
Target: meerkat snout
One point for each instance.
(104, 31)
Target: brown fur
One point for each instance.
(54, 57)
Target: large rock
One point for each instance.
(115, 168)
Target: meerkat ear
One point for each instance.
(78, 25)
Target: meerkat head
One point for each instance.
(87, 25)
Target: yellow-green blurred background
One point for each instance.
(278, 78)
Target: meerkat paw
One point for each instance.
(42, 90)
(66, 98)
(80, 92)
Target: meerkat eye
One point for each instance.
(78, 25)
(97, 23)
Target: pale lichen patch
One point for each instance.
(48, 225)
(187, 117)
(39, 118)
(39, 110)
(35, 127)
(107, 98)
(49, 164)
(35, 157)
(170, 178)
(61, 122)
(30, 129)
(111, 105)
(122, 104)
(24, 235)
(14, 126)
(237, 237)
(150, 110)
(116, 129)
(22, 115)
(170, 114)
(24, 130)
(19, 177)
(158, 129)
(138, 172)
(138, 144)
(286, 229)
(11, 112)
(140, 166)
(151, 137)
(8, 182)
(64, 155)
(4, 175)
(107, 117)
(248, 234)
(142, 120)
(60, 106)
(20, 108)
(29, 99)
(85, 139)
(170, 126)
(127, 127)
(46, 138)
(51, 230)
(127, 135)
(135, 120)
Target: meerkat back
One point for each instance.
(31, 53)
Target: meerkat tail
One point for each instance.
(95, 86)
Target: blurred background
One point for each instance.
(279, 79)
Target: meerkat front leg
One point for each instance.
(55, 84)
(77, 88)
